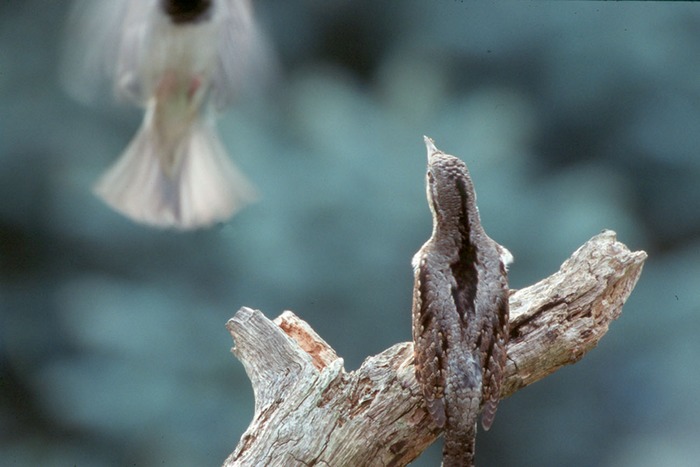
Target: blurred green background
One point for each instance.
(572, 117)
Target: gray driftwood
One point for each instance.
(310, 411)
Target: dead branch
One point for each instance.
(310, 411)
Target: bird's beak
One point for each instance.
(430, 145)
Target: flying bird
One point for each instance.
(183, 61)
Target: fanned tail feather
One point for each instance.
(202, 189)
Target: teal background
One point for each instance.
(573, 117)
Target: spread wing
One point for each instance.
(106, 50)
(245, 59)
(103, 48)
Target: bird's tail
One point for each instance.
(459, 447)
(463, 394)
(187, 184)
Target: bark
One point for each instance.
(310, 411)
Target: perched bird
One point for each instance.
(460, 310)
(182, 60)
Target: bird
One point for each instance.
(183, 62)
(459, 311)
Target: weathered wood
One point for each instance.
(310, 411)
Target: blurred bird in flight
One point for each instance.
(183, 61)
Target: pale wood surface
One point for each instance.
(310, 411)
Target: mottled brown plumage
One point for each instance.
(460, 310)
